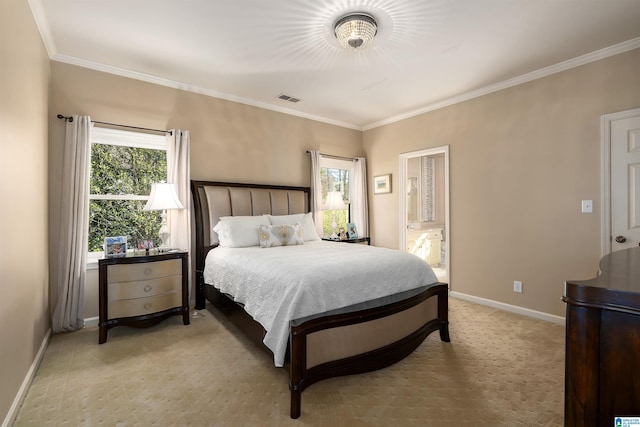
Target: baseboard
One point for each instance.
(91, 321)
(510, 308)
(24, 388)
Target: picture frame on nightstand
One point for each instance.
(115, 246)
(342, 233)
(145, 244)
(352, 230)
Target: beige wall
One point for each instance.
(521, 160)
(229, 141)
(24, 308)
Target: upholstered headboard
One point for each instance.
(213, 200)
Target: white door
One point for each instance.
(424, 207)
(623, 130)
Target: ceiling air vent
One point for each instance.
(288, 98)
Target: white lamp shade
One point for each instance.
(163, 196)
(334, 201)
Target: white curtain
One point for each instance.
(359, 199)
(316, 191)
(178, 173)
(68, 314)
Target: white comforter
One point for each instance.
(277, 285)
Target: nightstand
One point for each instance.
(366, 240)
(142, 290)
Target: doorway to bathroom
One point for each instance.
(424, 207)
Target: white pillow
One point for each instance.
(239, 231)
(309, 232)
(279, 235)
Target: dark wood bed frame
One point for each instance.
(339, 342)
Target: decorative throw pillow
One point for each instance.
(239, 231)
(307, 225)
(279, 235)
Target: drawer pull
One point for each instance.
(148, 288)
(147, 306)
(147, 271)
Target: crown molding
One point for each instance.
(43, 26)
(524, 78)
(45, 33)
(149, 78)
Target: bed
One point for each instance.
(335, 338)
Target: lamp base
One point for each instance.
(334, 226)
(165, 236)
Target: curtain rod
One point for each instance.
(70, 119)
(336, 157)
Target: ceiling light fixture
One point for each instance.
(356, 30)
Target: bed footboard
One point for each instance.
(363, 338)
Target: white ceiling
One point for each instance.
(427, 53)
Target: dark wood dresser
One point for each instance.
(602, 371)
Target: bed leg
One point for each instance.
(200, 299)
(444, 332)
(443, 314)
(297, 365)
(296, 403)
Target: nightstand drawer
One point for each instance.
(143, 271)
(144, 288)
(142, 306)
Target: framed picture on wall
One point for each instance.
(382, 184)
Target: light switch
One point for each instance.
(587, 206)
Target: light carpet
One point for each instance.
(500, 369)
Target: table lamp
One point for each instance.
(163, 197)
(334, 202)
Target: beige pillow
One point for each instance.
(306, 224)
(279, 235)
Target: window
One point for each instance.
(123, 167)
(334, 176)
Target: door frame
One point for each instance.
(605, 166)
(402, 188)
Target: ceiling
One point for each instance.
(427, 53)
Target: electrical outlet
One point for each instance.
(517, 286)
